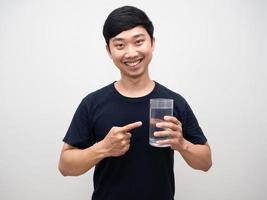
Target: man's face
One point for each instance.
(131, 51)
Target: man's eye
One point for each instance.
(119, 46)
(139, 42)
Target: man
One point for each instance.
(110, 128)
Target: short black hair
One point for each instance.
(125, 18)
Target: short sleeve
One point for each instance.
(80, 133)
(191, 129)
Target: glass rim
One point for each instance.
(161, 103)
(161, 100)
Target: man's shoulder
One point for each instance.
(169, 93)
(180, 103)
(99, 94)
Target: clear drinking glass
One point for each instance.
(158, 109)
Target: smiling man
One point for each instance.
(110, 128)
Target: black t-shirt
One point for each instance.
(144, 172)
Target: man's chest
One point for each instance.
(120, 114)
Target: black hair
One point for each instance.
(125, 18)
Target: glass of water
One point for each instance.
(158, 109)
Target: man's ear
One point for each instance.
(108, 50)
(153, 43)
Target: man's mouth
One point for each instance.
(133, 63)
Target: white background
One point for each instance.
(52, 54)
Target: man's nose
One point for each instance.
(131, 51)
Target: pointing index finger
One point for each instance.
(131, 126)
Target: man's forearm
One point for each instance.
(75, 162)
(197, 156)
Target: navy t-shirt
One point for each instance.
(144, 172)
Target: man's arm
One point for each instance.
(198, 156)
(75, 162)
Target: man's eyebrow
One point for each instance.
(121, 39)
(117, 39)
(138, 35)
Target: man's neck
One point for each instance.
(134, 87)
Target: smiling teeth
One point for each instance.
(132, 64)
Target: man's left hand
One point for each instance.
(174, 133)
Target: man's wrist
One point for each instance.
(99, 150)
(185, 145)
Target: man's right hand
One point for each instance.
(74, 161)
(117, 141)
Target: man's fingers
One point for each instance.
(172, 119)
(131, 126)
(168, 125)
(162, 133)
